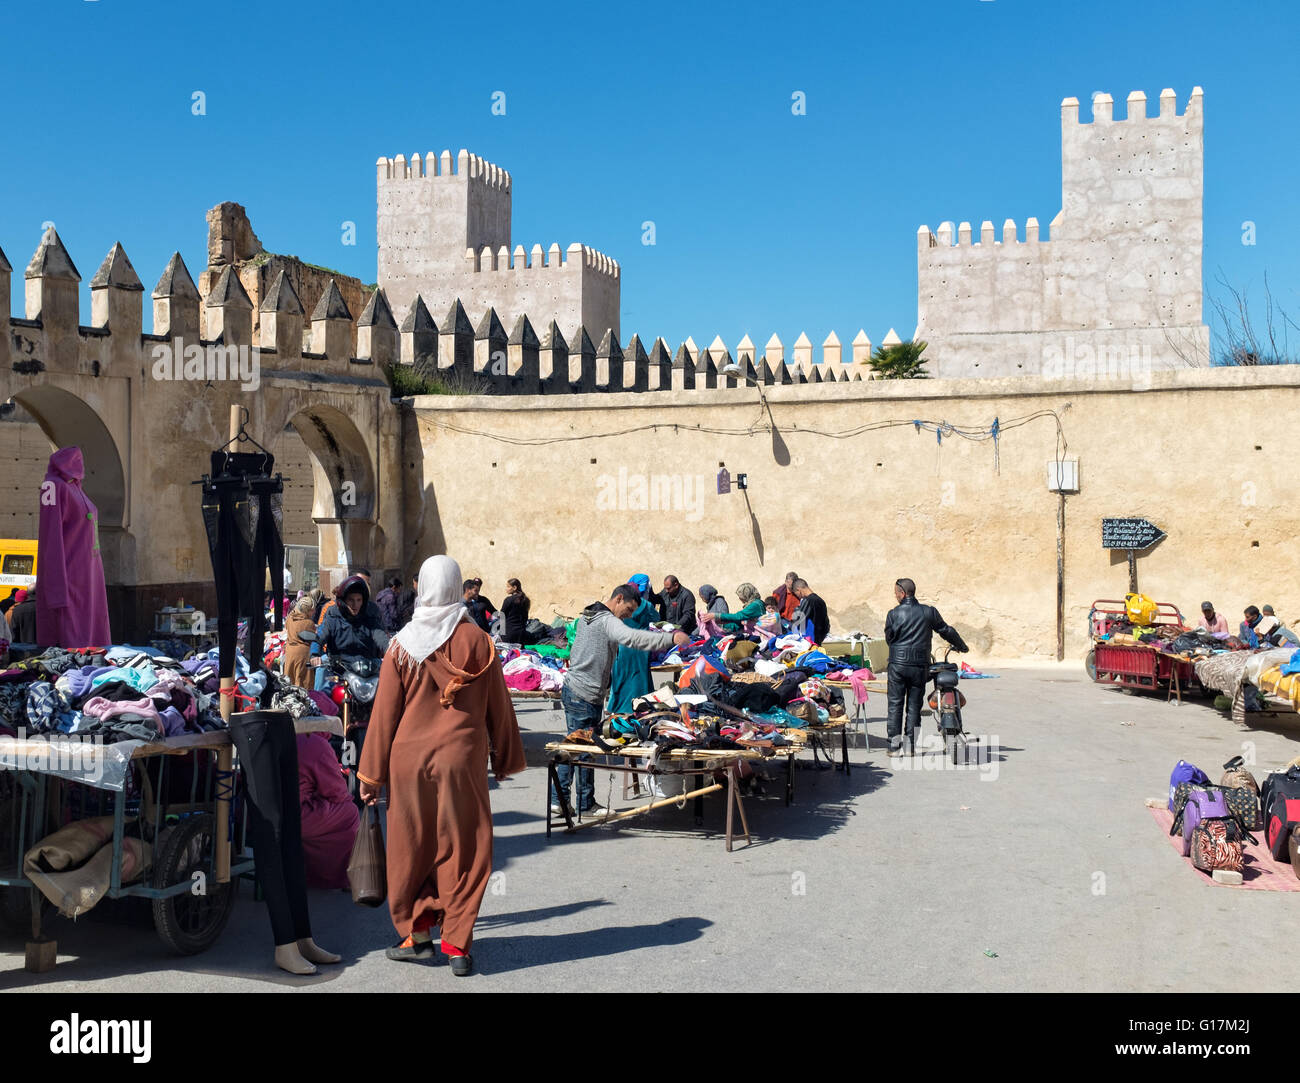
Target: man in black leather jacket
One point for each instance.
(909, 627)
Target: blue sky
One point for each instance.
(680, 114)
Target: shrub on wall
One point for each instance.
(900, 361)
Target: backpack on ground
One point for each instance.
(1185, 772)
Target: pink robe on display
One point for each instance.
(71, 600)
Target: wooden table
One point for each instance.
(680, 761)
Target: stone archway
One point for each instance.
(68, 421)
(344, 497)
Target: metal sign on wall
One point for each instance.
(1132, 534)
(724, 481)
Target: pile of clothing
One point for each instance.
(526, 670)
(124, 693)
(717, 707)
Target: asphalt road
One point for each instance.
(898, 877)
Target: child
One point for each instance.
(768, 626)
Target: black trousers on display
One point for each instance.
(906, 684)
(230, 536)
(268, 758)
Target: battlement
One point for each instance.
(464, 167)
(577, 255)
(1103, 108)
(444, 234)
(1123, 255)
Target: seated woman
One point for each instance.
(706, 623)
(744, 619)
(329, 816)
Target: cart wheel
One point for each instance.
(1090, 664)
(189, 923)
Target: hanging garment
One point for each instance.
(268, 760)
(71, 599)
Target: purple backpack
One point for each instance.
(1211, 804)
(1185, 772)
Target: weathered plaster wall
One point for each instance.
(1121, 272)
(854, 513)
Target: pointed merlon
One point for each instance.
(1069, 111)
(1103, 108)
(524, 335)
(944, 234)
(52, 260)
(832, 350)
(891, 339)
(1137, 106)
(1009, 231)
(691, 348)
(456, 322)
(490, 327)
(176, 281)
(861, 348)
(1195, 102)
(583, 342)
(377, 312)
(115, 272)
(635, 350)
(1168, 102)
(282, 297)
(717, 347)
(331, 305)
(963, 234)
(418, 320)
(986, 232)
(554, 339)
(229, 292)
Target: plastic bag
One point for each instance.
(368, 865)
(1141, 609)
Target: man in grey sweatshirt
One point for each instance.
(599, 634)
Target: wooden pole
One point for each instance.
(226, 754)
(627, 813)
(1132, 571)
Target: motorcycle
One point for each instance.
(352, 683)
(946, 701)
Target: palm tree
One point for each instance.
(900, 361)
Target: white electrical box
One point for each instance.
(1063, 475)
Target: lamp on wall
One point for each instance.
(735, 371)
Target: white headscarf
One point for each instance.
(439, 607)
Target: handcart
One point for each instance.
(176, 794)
(1134, 665)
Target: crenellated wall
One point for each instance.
(1116, 288)
(147, 409)
(444, 235)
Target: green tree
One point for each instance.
(901, 361)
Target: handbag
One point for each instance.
(368, 865)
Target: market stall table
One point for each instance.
(679, 761)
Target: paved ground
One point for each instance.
(890, 879)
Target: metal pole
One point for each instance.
(1132, 571)
(1060, 577)
(225, 755)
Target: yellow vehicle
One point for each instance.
(17, 564)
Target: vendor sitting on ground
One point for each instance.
(744, 619)
(1214, 623)
(1282, 635)
(329, 816)
(786, 599)
(1246, 630)
(677, 605)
